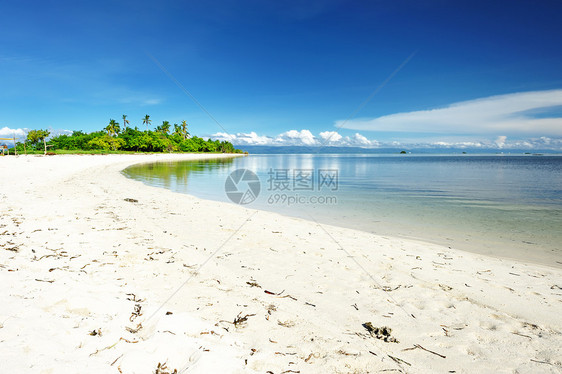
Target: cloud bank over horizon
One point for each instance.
(523, 113)
(305, 138)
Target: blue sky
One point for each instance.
(290, 72)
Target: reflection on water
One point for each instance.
(503, 205)
(177, 176)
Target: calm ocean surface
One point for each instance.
(507, 206)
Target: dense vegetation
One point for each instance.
(113, 139)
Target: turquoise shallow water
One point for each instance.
(507, 206)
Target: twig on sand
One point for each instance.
(103, 349)
(425, 349)
(543, 362)
(44, 280)
(273, 293)
(239, 320)
(279, 295)
(113, 345)
(399, 360)
(113, 363)
(129, 341)
(526, 336)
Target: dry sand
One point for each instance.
(92, 283)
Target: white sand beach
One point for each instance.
(92, 283)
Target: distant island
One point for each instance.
(114, 139)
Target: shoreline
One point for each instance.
(82, 258)
(489, 245)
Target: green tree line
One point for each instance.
(163, 138)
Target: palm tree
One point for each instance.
(165, 127)
(184, 132)
(125, 121)
(177, 129)
(146, 121)
(113, 128)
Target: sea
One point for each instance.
(507, 206)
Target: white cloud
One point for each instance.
(537, 143)
(457, 145)
(357, 140)
(504, 114)
(500, 141)
(243, 139)
(294, 137)
(298, 138)
(6, 132)
(361, 141)
(21, 133)
(330, 137)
